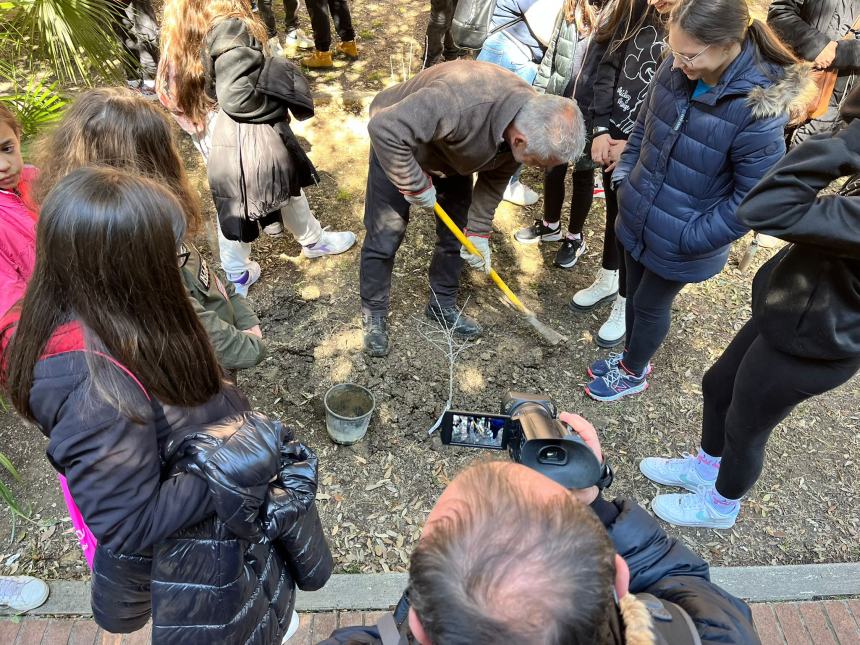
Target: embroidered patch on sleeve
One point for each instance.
(203, 274)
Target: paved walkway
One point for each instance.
(829, 622)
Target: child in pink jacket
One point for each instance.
(17, 217)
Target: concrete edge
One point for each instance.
(381, 591)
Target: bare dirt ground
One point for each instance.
(374, 496)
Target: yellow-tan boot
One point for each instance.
(318, 60)
(348, 49)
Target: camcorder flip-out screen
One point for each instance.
(475, 430)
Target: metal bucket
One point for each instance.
(348, 408)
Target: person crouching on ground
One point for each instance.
(428, 136)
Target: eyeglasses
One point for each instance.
(687, 60)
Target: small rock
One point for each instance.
(310, 292)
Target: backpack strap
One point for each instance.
(671, 623)
(389, 633)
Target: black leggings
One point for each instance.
(581, 198)
(747, 392)
(648, 313)
(291, 20)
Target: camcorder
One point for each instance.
(529, 429)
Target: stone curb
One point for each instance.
(357, 592)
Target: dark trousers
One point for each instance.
(291, 20)
(438, 42)
(323, 11)
(386, 214)
(648, 313)
(747, 392)
(137, 30)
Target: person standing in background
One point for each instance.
(438, 43)
(814, 29)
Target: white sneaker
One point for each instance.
(520, 194)
(293, 628)
(241, 281)
(680, 472)
(330, 243)
(275, 47)
(614, 329)
(692, 509)
(603, 289)
(298, 38)
(275, 229)
(22, 593)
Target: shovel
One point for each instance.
(549, 335)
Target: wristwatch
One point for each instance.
(597, 130)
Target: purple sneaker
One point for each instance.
(616, 384)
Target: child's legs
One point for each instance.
(300, 220)
(235, 255)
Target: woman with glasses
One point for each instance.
(710, 128)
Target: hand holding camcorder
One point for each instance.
(565, 448)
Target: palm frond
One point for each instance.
(74, 37)
(6, 494)
(36, 106)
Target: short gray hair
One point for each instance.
(553, 127)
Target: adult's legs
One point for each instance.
(454, 194)
(291, 18)
(136, 28)
(767, 387)
(342, 20)
(268, 16)
(437, 35)
(386, 214)
(319, 15)
(650, 300)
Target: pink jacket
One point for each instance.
(17, 240)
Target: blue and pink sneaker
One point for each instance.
(616, 384)
(605, 365)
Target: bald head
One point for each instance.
(509, 555)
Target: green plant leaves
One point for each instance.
(36, 106)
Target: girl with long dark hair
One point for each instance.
(711, 127)
(108, 357)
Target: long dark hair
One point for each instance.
(116, 127)
(725, 21)
(617, 22)
(106, 257)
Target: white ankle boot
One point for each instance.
(614, 329)
(603, 289)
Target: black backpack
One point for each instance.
(470, 26)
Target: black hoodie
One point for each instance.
(806, 299)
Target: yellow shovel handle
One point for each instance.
(465, 241)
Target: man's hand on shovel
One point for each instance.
(482, 243)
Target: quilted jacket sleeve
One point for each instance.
(234, 349)
(114, 473)
(662, 566)
(754, 151)
(786, 203)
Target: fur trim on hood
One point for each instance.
(638, 628)
(790, 94)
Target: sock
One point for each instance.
(574, 236)
(707, 466)
(631, 372)
(551, 225)
(722, 505)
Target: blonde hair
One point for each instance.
(184, 26)
(116, 127)
(582, 13)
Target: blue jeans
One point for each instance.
(502, 51)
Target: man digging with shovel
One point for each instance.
(428, 136)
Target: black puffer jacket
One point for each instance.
(806, 299)
(208, 584)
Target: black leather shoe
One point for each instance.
(463, 326)
(375, 334)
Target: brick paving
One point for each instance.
(828, 622)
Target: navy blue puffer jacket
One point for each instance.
(690, 161)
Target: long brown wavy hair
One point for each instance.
(184, 26)
(119, 128)
(618, 24)
(106, 257)
(582, 13)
